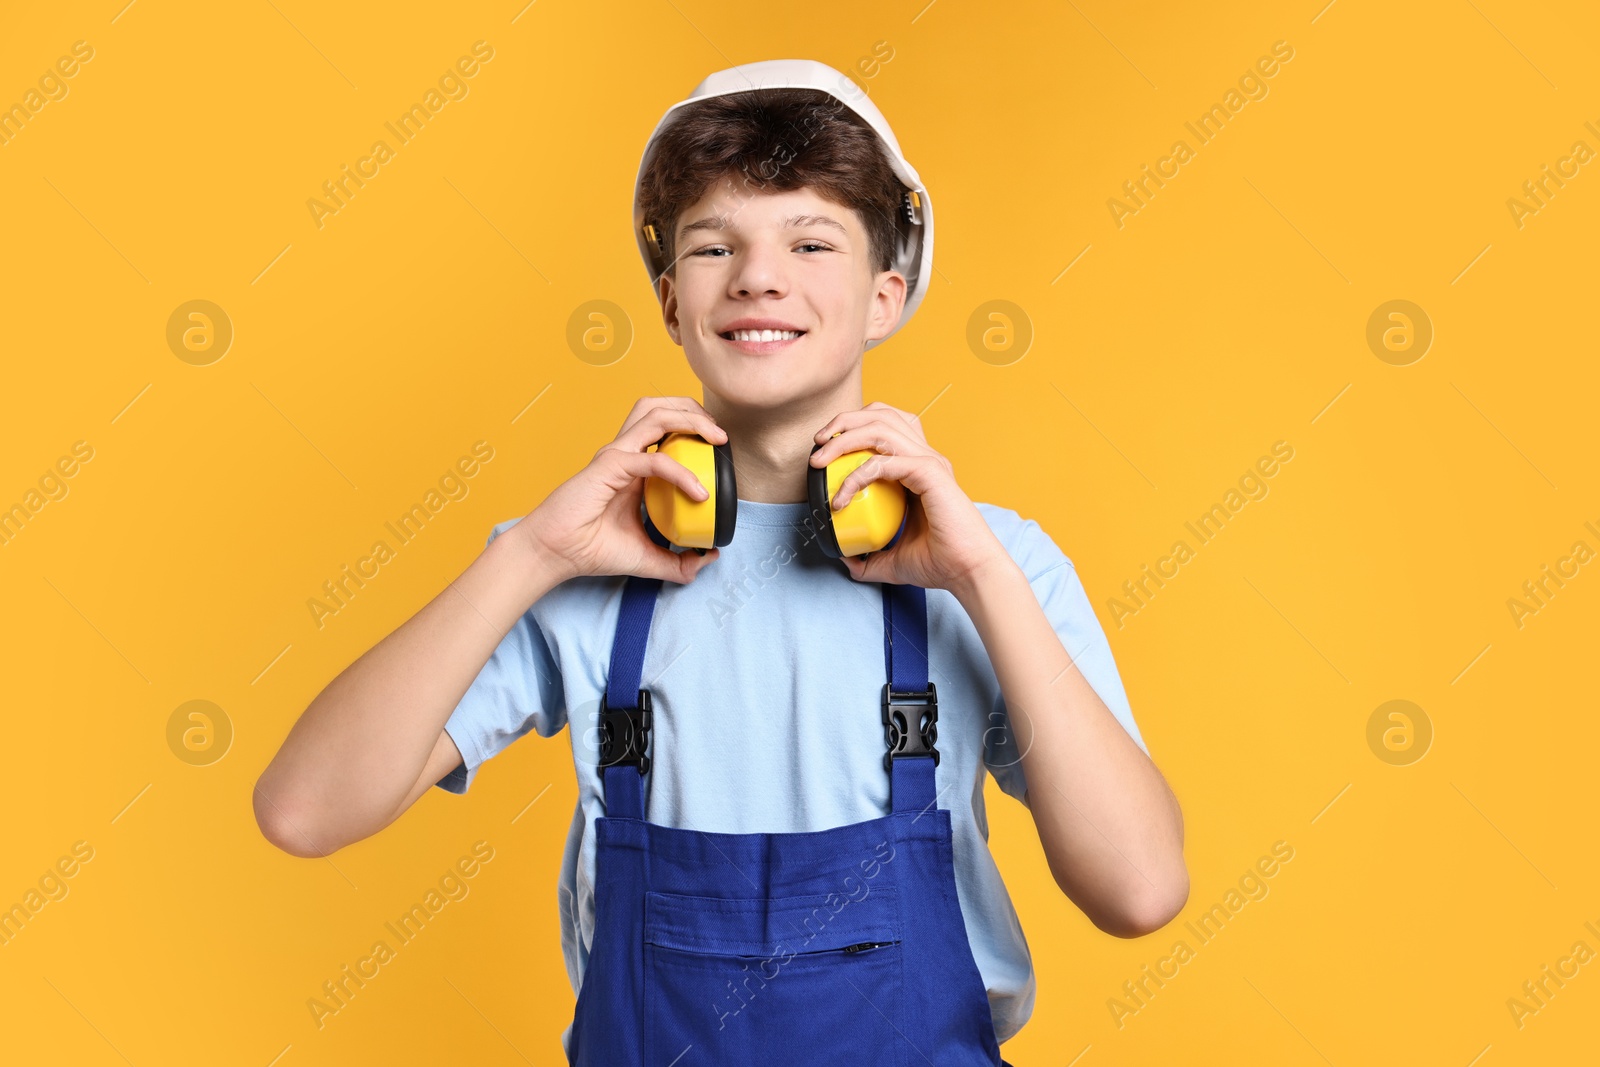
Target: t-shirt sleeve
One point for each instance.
(1061, 594)
(519, 689)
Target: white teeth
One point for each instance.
(765, 335)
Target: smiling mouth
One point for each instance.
(756, 342)
(761, 336)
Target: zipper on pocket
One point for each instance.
(866, 945)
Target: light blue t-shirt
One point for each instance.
(765, 674)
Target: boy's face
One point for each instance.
(790, 257)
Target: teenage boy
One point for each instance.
(765, 671)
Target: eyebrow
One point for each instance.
(719, 222)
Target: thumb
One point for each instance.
(681, 567)
(875, 567)
(858, 567)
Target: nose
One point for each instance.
(760, 271)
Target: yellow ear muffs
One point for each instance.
(672, 516)
(871, 520)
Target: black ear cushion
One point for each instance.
(821, 511)
(727, 494)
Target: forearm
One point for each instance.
(352, 757)
(1110, 827)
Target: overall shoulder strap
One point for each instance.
(625, 711)
(910, 706)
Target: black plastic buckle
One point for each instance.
(625, 734)
(910, 723)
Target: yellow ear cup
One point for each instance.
(681, 519)
(869, 521)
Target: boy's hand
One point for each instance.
(946, 543)
(590, 523)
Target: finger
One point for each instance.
(680, 567)
(877, 435)
(674, 413)
(673, 418)
(913, 422)
(655, 416)
(654, 427)
(842, 421)
(685, 404)
(873, 568)
(630, 466)
(877, 410)
(919, 474)
(646, 404)
(857, 568)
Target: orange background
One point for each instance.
(1229, 312)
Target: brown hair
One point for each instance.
(777, 140)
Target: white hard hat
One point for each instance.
(913, 254)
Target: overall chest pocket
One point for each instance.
(791, 980)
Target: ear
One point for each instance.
(888, 299)
(666, 292)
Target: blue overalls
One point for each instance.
(839, 946)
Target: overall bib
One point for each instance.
(839, 946)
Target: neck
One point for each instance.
(772, 447)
